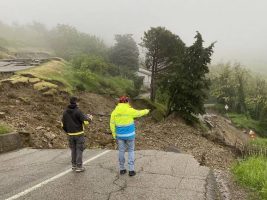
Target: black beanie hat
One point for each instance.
(73, 100)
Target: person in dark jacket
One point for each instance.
(73, 122)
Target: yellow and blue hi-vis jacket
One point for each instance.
(122, 121)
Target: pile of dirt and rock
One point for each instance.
(173, 134)
(38, 116)
(223, 131)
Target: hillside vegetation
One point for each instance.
(243, 92)
(59, 76)
(91, 65)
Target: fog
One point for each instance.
(238, 26)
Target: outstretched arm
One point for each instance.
(138, 113)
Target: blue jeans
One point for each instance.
(123, 145)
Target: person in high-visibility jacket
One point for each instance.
(123, 130)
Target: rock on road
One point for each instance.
(45, 174)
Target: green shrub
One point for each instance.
(252, 173)
(4, 128)
(89, 81)
(162, 96)
(95, 64)
(95, 74)
(138, 82)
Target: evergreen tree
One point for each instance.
(125, 53)
(186, 82)
(162, 46)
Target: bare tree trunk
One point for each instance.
(153, 81)
(152, 87)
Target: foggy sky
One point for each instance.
(238, 26)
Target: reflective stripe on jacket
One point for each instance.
(122, 121)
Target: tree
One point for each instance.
(187, 83)
(162, 46)
(230, 86)
(125, 52)
(223, 85)
(241, 79)
(256, 98)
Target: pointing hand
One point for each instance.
(90, 117)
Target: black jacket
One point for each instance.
(73, 119)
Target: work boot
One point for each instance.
(132, 173)
(80, 169)
(123, 171)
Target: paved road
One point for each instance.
(45, 174)
(12, 67)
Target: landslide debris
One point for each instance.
(29, 109)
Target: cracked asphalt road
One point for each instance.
(160, 175)
(12, 67)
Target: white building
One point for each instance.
(147, 76)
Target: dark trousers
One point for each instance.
(76, 143)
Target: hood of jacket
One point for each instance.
(71, 108)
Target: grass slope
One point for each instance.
(242, 121)
(71, 79)
(252, 173)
